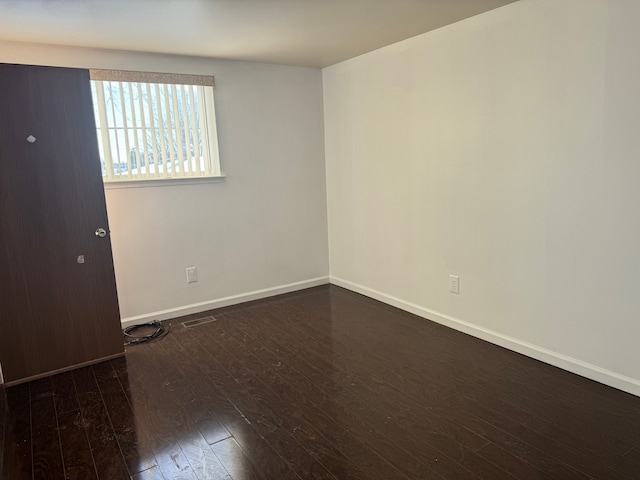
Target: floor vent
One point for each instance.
(198, 321)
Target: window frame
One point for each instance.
(188, 169)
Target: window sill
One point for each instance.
(163, 182)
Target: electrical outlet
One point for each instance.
(454, 284)
(192, 275)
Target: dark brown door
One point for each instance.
(55, 312)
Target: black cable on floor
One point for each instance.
(159, 332)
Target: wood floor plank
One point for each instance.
(285, 364)
(512, 464)
(301, 429)
(198, 401)
(158, 422)
(538, 381)
(76, 451)
(64, 393)
(179, 401)
(262, 411)
(633, 455)
(235, 461)
(293, 396)
(43, 410)
(46, 447)
(47, 453)
(569, 473)
(512, 445)
(220, 419)
(351, 349)
(417, 428)
(539, 433)
(138, 453)
(18, 459)
(153, 473)
(107, 456)
(318, 384)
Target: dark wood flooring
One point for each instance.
(318, 384)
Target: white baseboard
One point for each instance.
(593, 372)
(223, 302)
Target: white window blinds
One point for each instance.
(155, 125)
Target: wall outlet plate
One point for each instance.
(192, 274)
(454, 284)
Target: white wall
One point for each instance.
(504, 149)
(263, 228)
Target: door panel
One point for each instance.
(54, 311)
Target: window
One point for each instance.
(154, 126)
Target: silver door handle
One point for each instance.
(101, 232)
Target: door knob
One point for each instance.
(101, 232)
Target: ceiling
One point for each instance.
(314, 33)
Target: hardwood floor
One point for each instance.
(318, 384)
